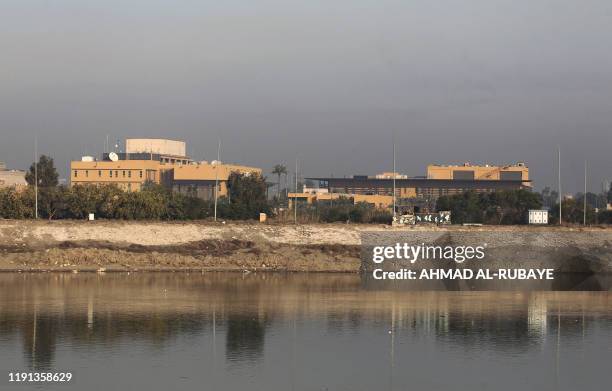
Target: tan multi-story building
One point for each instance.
(199, 178)
(467, 171)
(157, 161)
(308, 196)
(422, 192)
(12, 178)
(128, 175)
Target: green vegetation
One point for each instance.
(573, 210)
(154, 202)
(47, 174)
(247, 198)
(501, 207)
(343, 210)
(279, 170)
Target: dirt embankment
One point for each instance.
(120, 246)
(116, 245)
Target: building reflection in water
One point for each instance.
(90, 310)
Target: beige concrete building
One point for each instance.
(145, 160)
(420, 193)
(166, 151)
(157, 161)
(12, 178)
(128, 175)
(467, 171)
(308, 196)
(199, 178)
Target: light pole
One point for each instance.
(36, 177)
(295, 198)
(585, 194)
(560, 196)
(217, 176)
(394, 180)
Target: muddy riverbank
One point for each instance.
(159, 246)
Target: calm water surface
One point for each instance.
(176, 331)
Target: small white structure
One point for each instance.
(91, 217)
(537, 216)
(158, 146)
(315, 190)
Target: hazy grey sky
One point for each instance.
(326, 81)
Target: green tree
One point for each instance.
(247, 195)
(52, 201)
(501, 207)
(279, 170)
(83, 199)
(573, 212)
(12, 205)
(549, 197)
(47, 174)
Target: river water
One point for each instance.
(215, 331)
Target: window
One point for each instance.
(124, 173)
(110, 173)
(99, 173)
(130, 174)
(117, 174)
(87, 173)
(76, 173)
(140, 174)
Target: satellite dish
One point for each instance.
(113, 156)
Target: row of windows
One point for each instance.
(124, 186)
(400, 192)
(437, 192)
(111, 173)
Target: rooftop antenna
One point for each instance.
(217, 176)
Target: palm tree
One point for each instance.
(279, 170)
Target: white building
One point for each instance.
(11, 178)
(537, 216)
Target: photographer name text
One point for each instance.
(409, 253)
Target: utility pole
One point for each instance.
(585, 194)
(217, 176)
(36, 177)
(296, 190)
(560, 196)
